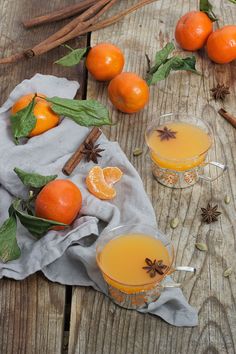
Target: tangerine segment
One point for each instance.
(112, 174)
(98, 186)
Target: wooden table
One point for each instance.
(37, 316)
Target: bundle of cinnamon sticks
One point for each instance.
(87, 17)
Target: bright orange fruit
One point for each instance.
(128, 92)
(46, 118)
(221, 45)
(60, 200)
(192, 30)
(105, 61)
(99, 181)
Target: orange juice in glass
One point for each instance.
(179, 145)
(134, 260)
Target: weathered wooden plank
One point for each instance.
(97, 325)
(32, 312)
(15, 38)
(31, 316)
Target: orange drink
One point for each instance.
(123, 258)
(179, 145)
(134, 260)
(185, 150)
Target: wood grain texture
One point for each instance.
(14, 38)
(31, 316)
(97, 325)
(32, 312)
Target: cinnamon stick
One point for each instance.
(78, 155)
(117, 17)
(85, 27)
(65, 33)
(227, 116)
(75, 28)
(79, 20)
(57, 15)
(46, 47)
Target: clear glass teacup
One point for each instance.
(124, 261)
(169, 167)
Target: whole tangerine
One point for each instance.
(45, 117)
(128, 92)
(60, 200)
(221, 45)
(192, 30)
(104, 61)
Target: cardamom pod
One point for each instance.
(227, 199)
(137, 152)
(201, 246)
(228, 272)
(174, 223)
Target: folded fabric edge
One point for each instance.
(23, 84)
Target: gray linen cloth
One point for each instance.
(68, 257)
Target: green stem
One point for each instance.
(67, 46)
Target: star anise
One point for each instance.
(154, 267)
(210, 213)
(92, 152)
(220, 91)
(166, 134)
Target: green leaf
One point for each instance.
(73, 58)
(206, 6)
(9, 249)
(83, 112)
(23, 122)
(36, 226)
(34, 180)
(161, 56)
(187, 64)
(233, 1)
(175, 63)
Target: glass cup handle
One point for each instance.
(216, 164)
(182, 269)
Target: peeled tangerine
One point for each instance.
(100, 181)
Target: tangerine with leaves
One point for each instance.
(60, 200)
(192, 30)
(100, 181)
(105, 61)
(221, 45)
(45, 117)
(128, 92)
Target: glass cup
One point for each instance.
(181, 173)
(139, 295)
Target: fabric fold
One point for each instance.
(69, 256)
